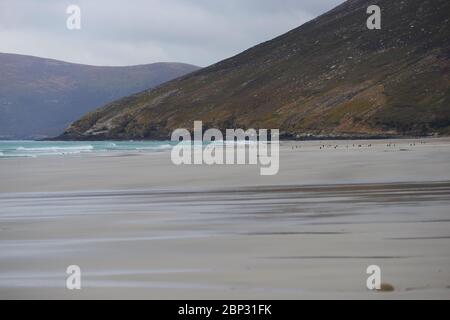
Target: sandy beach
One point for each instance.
(142, 228)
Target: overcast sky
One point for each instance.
(128, 32)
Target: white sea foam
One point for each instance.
(161, 147)
(11, 149)
(57, 149)
(17, 155)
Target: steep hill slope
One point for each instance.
(329, 77)
(41, 97)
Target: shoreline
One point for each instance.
(284, 137)
(301, 163)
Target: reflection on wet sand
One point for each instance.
(264, 242)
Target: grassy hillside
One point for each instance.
(330, 77)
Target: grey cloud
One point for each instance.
(118, 32)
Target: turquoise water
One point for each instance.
(11, 149)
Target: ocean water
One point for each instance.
(11, 149)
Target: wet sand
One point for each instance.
(142, 228)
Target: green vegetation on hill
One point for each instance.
(330, 77)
